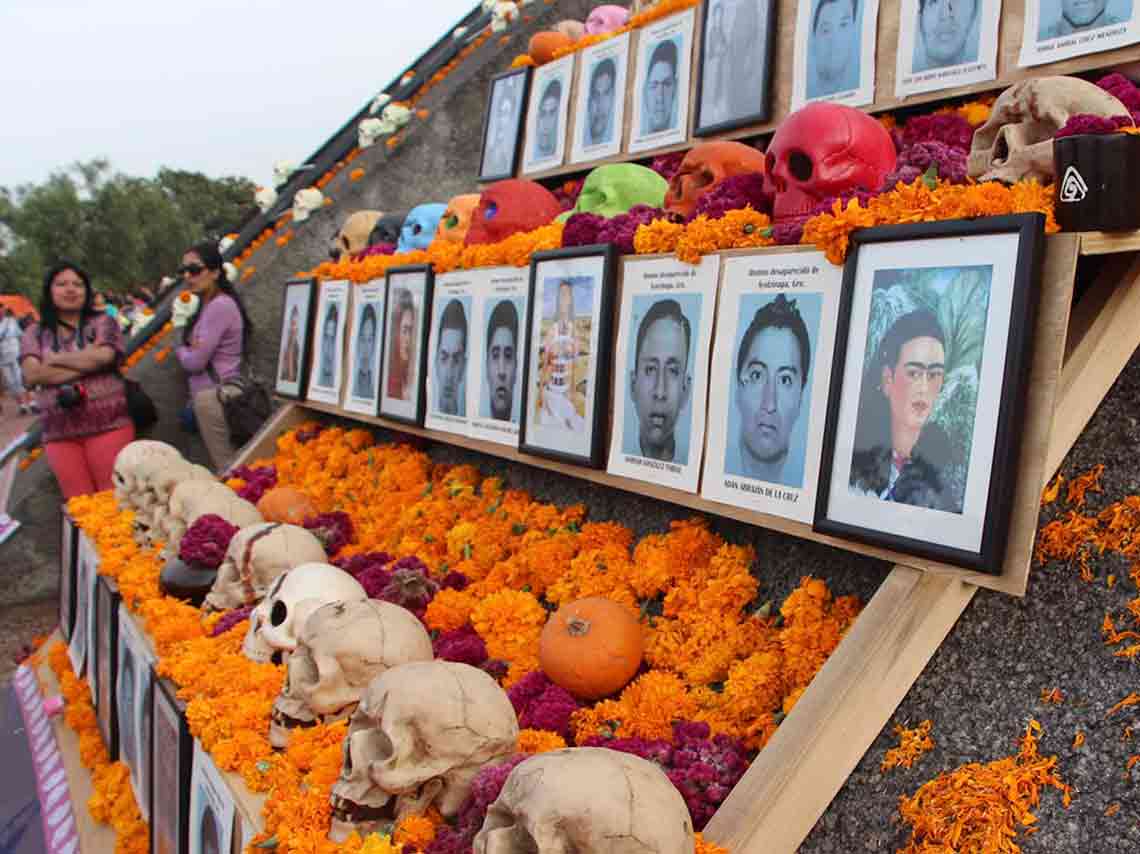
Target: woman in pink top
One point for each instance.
(73, 355)
(213, 345)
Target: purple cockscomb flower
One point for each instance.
(205, 542)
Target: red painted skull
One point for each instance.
(823, 150)
(704, 167)
(508, 207)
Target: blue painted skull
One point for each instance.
(419, 228)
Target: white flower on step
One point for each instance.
(265, 197)
(225, 243)
(305, 202)
(183, 308)
(231, 271)
(282, 171)
(379, 103)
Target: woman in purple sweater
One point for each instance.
(214, 343)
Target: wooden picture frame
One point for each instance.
(515, 84)
(554, 422)
(415, 281)
(932, 352)
(106, 670)
(78, 644)
(757, 70)
(172, 756)
(133, 687)
(68, 543)
(293, 359)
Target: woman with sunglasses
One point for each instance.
(73, 355)
(214, 342)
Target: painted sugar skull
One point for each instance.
(418, 229)
(615, 188)
(256, 556)
(606, 19)
(421, 733)
(1016, 141)
(456, 220)
(704, 167)
(291, 599)
(193, 498)
(823, 150)
(305, 202)
(587, 800)
(509, 207)
(353, 235)
(387, 229)
(340, 649)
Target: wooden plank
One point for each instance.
(1109, 242)
(790, 784)
(264, 442)
(1105, 333)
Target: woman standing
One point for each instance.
(214, 343)
(73, 355)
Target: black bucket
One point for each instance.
(1097, 181)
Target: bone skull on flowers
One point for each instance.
(341, 648)
(587, 800)
(193, 498)
(421, 733)
(132, 466)
(823, 150)
(292, 598)
(256, 557)
(161, 482)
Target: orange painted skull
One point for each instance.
(456, 219)
(704, 167)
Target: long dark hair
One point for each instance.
(212, 260)
(49, 314)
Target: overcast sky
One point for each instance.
(223, 88)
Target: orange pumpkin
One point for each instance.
(543, 45)
(591, 647)
(285, 504)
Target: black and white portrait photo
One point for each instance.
(364, 348)
(171, 772)
(106, 664)
(125, 696)
(945, 43)
(293, 357)
(661, 82)
(735, 63)
(77, 644)
(1061, 29)
(211, 807)
(133, 706)
(498, 311)
(332, 318)
(835, 52)
(449, 353)
(503, 124)
(407, 308)
(775, 335)
(547, 115)
(600, 105)
(500, 360)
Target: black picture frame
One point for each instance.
(304, 292)
(704, 125)
(487, 175)
(1006, 426)
(68, 541)
(105, 672)
(415, 419)
(172, 756)
(601, 374)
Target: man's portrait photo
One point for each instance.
(599, 125)
(659, 90)
(326, 373)
(547, 124)
(734, 63)
(660, 378)
(564, 352)
(449, 362)
(1058, 18)
(125, 699)
(208, 833)
(770, 415)
(503, 116)
(501, 358)
(834, 47)
(947, 33)
(364, 380)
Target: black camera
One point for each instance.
(71, 395)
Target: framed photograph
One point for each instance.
(502, 124)
(547, 115)
(661, 369)
(661, 82)
(296, 342)
(107, 663)
(404, 365)
(170, 766)
(945, 43)
(84, 605)
(67, 560)
(734, 75)
(449, 345)
(775, 338)
(328, 345)
(133, 704)
(494, 393)
(566, 381)
(365, 345)
(599, 103)
(932, 357)
(1061, 29)
(211, 807)
(835, 52)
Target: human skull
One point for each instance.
(573, 30)
(387, 229)
(305, 202)
(257, 555)
(129, 470)
(353, 235)
(823, 150)
(613, 189)
(368, 131)
(393, 117)
(456, 220)
(183, 308)
(419, 228)
(1016, 141)
(421, 733)
(291, 599)
(282, 171)
(226, 242)
(587, 800)
(379, 103)
(340, 649)
(192, 498)
(503, 15)
(265, 198)
(704, 167)
(510, 206)
(158, 487)
(606, 19)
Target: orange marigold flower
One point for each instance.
(657, 237)
(356, 174)
(532, 741)
(831, 232)
(912, 744)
